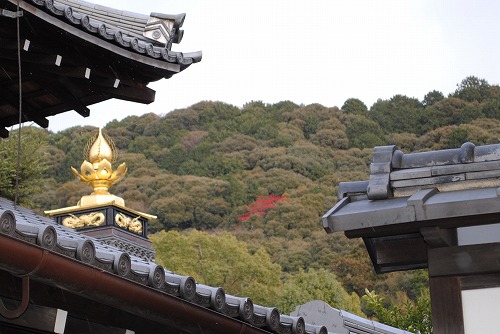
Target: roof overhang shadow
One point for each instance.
(72, 59)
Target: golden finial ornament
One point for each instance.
(97, 171)
(96, 211)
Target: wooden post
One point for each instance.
(446, 303)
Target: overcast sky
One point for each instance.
(315, 51)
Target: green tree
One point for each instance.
(364, 133)
(449, 111)
(330, 138)
(219, 259)
(174, 158)
(190, 201)
(398, 114)
(457, 137)
(432, 97)
(413, 316)
(491, 107)
(355, 269)
(354, 106)
(316, 285)
(72, 142)
(275, 181)
(32, 167)
(472, 89)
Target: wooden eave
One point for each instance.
(65, 67)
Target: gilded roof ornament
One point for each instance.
(98, 171)
(99, 154)
(100, 147)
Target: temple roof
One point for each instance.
(75, 53)
(341, 322)
(418, 199)
(141, 296)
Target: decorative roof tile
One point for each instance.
(149, 35)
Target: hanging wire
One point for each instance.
(18, 168)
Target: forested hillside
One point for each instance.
(265, 173)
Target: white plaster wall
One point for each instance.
(481, 310)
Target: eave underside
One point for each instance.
(64, 69)
(400, 233)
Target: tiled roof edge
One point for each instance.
(120, 36)
(396, 174)
(23, 224)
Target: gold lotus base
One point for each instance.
(77, 209)
(93, 200)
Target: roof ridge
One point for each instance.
(17, 222)
(155, 41)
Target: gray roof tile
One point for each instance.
(117, 25)
(338, 321)
(43, 231)
(423, 186)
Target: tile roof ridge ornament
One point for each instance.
(396, 174)
(152, 36)
(165, 28)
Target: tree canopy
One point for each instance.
(220, 260)
(26, 181)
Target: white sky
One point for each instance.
(315, 51)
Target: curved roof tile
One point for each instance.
(148, 35)
(24, 224)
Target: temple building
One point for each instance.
(438, 210)
(74, 54)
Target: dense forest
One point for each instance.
(253, 182)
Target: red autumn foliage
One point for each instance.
(261, 205)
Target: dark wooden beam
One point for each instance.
(86, 100)
(7, 75)
(144, 95)
(464, 260)
(25, 117)
(397, 253)
(438, 237)
(84, 315)
(78, 72)
(41, 318)
(483, 281)
(49, 65)
(4, 133)
(64, 92)
(8, 43)
(56, 82)
(32, 58)
(28, 113)
(446, 304)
